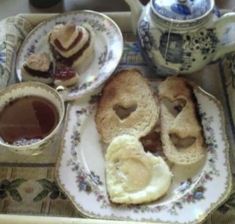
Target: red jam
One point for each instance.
(64, 72)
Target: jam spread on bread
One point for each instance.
(64, 72)
(37, 73)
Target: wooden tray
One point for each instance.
(34, 176)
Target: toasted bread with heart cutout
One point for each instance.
(127, 106)
(181, 132)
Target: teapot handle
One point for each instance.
(225, 45)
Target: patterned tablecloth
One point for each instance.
(27, 184)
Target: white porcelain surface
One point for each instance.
(195, 191)
(108, 44)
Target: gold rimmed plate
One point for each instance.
(108, 48)
(192, 196)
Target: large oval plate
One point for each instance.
(195, 191)
(108, 48)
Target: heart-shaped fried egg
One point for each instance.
(132, 175)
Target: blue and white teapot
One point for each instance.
(181, 36)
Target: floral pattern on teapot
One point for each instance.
(188, 45)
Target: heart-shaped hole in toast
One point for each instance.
(174, 107)
(182, 142)
(124, 111)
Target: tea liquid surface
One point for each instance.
(27, 118)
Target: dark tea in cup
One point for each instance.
(31, 113)
(28, 119)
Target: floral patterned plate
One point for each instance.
(108, 48)
(195, 191)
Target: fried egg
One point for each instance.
(132, 175)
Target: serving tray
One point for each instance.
(29, 182)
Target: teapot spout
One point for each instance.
(136, 8)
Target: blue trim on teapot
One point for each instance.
(181, 9)
(177, 10)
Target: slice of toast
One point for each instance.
(127, 106)
(181, 132)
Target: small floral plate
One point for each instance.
(196, 190)
(108, 43)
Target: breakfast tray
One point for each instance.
(28, 189)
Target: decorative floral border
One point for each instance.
(87, 184)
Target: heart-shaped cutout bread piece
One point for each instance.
(124, 111)
(175, 106)
(128, 93)
(132, 175)
(181, 135)
(67, 33)
(63, 35)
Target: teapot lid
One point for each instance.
(182, 10)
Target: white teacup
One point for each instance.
(37, 89)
